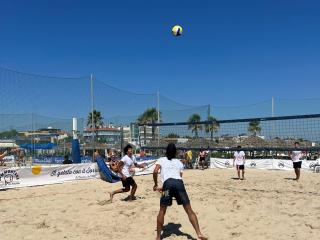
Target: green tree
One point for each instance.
(212, 127)
(254, 127)
(97, 121)
(149, 116)
(8, 134)
(193, 125)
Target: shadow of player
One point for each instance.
(172, 228)
(289, 178)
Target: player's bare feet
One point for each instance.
(111, 197)
(131, 198)
(201, 237)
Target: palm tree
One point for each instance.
(149, 116)
(97, 121)
(212, 127)
(193, 119)
(173, 135)
(254, 127)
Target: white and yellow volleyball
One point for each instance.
(177, 30)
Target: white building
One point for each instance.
(146, 135)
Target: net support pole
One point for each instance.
(158, 108)
(272, 107)
(75, 142)
(272, 115)
(32, 140)
(75, 128)
(92, 111)
(121, 140)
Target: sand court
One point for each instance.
(267, 205)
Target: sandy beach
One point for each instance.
(267, 205)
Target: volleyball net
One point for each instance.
(270, 134)
(36, 103)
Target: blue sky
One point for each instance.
(231, 53)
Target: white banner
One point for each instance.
(43, 175)
(257, 164)
(270, 164)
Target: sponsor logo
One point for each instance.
(71, 171)
(312, 165)
(165, 193)
(253, 164)
(8, 177)
(281, 165)
(227, 163)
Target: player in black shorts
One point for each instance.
(296, 156)
(171, 173)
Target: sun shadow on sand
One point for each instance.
(172, 228)
(129, 199)
(288, 178)
(235, 178)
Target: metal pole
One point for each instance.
(92, 118)
(272, 107)
(64, 147)
(158, 107)
(272, 114)
(32, 140)
(121, 140)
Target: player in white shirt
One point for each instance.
(239, 160)
(173, 186)
(296, 156)
(126, 174)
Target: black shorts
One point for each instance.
(174, 188)
(129, 181)
(297, 165)
(240, 167)
(202, 159)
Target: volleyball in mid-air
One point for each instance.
(177, 30)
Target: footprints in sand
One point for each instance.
(235, 205)
(42, 225)
(56, 230)
(235, 234)
(103, 202)
(9, 222)
(312, 226)
(127, 214)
